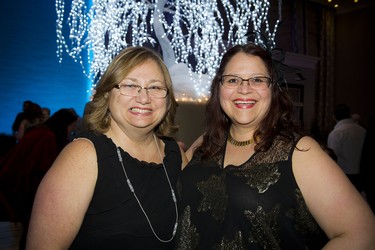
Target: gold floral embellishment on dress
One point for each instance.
(261, 176)
(187, 235)
(235, 244)
(264, 227)
(214, 196)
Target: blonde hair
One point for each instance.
(98, 119)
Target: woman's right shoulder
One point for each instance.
(81, 141)
(190, 152)
(77, 159)
(80, 149)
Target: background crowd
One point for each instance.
(37, 139)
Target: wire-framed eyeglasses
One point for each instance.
(134, 90)
(256, 82)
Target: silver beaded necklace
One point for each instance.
(139, 203)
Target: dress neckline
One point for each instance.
(127, 155)
(232, 166)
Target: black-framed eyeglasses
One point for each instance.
(134, 90)
(256, 82)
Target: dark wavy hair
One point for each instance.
(277, 121)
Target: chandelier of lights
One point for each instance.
(192, 35)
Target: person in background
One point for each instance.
(357, 119)
(254, 182)
(346, 140)
(24, 166)
(20, 116)
(113, 186)
(46, 113)
(32, 116)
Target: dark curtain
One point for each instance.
(325, 84)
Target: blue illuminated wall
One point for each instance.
(29, 67)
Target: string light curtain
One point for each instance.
(192, 35)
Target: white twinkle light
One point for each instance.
(192, 35)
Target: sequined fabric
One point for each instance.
(256, 205)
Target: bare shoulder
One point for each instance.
(63, 196)
(310, 154)
(316, 173)
(72, 176)
(307, 142)
(82, 144)
(78, 157)
(80, 148)
(330, 197)
(308, 148)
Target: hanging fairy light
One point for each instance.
(191, 34)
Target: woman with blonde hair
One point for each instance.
(114, 186)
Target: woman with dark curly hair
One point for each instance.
(254, 182)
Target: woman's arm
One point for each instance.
(336, 205)
(189, 153)
(63, 197)
(183, 157)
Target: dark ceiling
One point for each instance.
(345, 6)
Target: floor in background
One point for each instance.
(10, 234)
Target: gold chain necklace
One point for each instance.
(239, 143)
(139, 203)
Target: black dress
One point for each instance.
(114, 219)
(257, 205)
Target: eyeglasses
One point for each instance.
(257, 82)
(134, 90)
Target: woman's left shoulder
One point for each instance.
(306, 143)
(307, 148)
(169, 142)
(173, 146)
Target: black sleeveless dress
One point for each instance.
(114, 219)
(257, 205)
